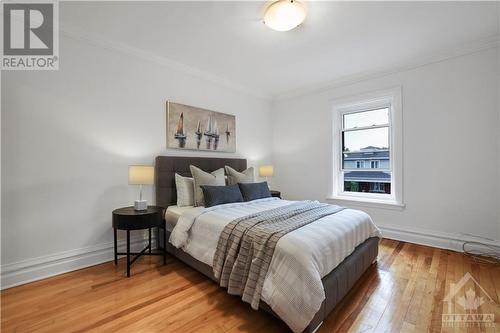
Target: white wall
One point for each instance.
(68, 137)
(451, 149)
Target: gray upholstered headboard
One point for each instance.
(167, 166)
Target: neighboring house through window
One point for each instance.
(368, 132)
(377, 187)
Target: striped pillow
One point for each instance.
(185, 190)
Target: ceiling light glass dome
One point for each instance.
(284, 15)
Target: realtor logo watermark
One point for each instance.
(30, 35)
(464, 301)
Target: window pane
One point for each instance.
(368, 139)
(365, 158)
(367, 182)
(366, 149)
(366, 118)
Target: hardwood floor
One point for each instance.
(404, 292)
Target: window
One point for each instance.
(377, 187)
(360, 164)
(367, 135)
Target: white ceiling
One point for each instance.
(338, 39)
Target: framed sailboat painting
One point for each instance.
(193, 128)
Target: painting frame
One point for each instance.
(199, 129)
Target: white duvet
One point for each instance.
(292, 287)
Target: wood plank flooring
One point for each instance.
(404, 292)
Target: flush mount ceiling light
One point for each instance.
(284, 15)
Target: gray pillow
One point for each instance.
(201, 177)
(254, 191)
(234, 177)
(218, 195)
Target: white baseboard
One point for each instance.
(22, 272)
(442, 240)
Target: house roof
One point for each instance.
(368, 176)
(369, 154)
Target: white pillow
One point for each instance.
(185, 190)
(201, 177)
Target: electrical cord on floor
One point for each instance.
(489, 254)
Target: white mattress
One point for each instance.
(172, 215)
(293, 286)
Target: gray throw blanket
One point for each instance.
(247, 244)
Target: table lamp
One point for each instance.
(266, 171)
(141, 175)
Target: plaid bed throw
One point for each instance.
(247, 244)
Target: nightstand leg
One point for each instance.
(158, 238)
(164, 245)
(128, 253)
(116, 246)
(150, 240)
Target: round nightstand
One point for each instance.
(276, 194)
(128, 219)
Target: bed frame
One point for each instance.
(336, 284)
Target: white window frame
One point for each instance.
(377, 162)
(390, 98)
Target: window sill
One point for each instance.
(366, 202)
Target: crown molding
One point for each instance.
(80, 35)
(464, 50)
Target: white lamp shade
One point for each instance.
(266, 171)
(141, 175)
(284, 15)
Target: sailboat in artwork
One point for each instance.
(216, 135)
(198, 134)
(208, 132)
(228, 133)
(212, 133)
(180, 134)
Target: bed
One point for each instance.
(335, 282)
